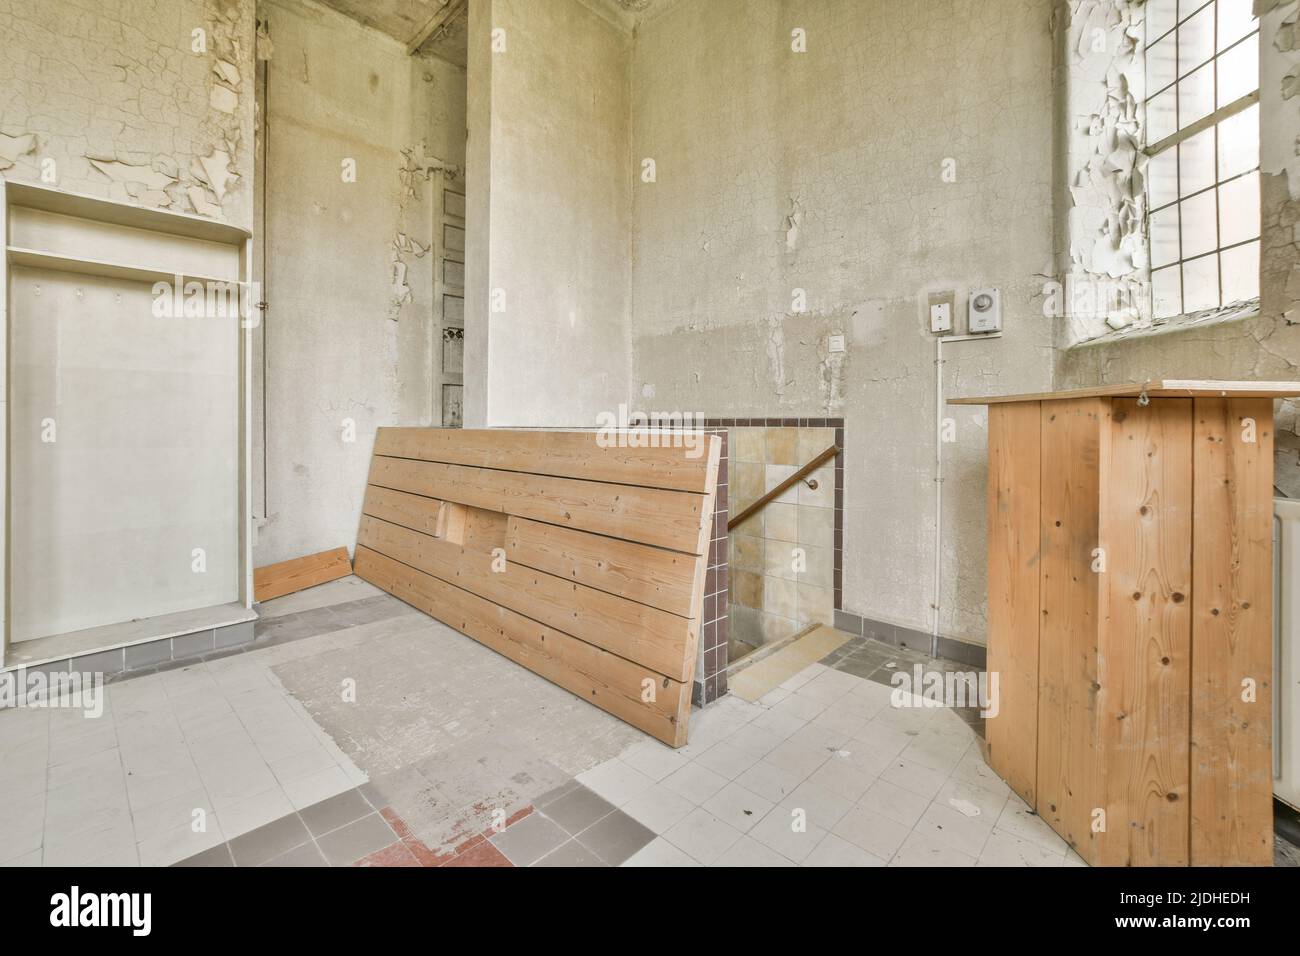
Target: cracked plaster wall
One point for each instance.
(1266, 346)
(547, 264)
(351, 330)
(822, 171)
(113, 92)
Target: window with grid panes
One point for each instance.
(1202, 74)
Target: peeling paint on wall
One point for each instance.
(1105, 83)
(11, 147)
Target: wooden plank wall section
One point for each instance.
(1232, 633)
(1070, 600)
(1013, 503)
(1145, 639)
(581, 562)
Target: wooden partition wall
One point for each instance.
(584, 563)
(1130, 626)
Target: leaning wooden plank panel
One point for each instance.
(655, 576)
(646, 700)
(669, 519)
(653, 638)
(297, 574)
(561, 454)
(1232, 633)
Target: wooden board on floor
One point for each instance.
(1232, 634)
(297, 574)
(1013, 516)
(582, 560)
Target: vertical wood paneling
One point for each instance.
(1013, 521)
(1144, 644)
(1072, 465)
(1231, 760)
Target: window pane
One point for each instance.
(1162, 116)
(1240, 273)
(1196, 162)
(1239, 210)
(1201, 284)
(1195, 41)
(1162, 178)
(1161, 16)
(1239, 143)
(1238, 72)
(1235, 20)
(1164, 237)
(1196, 96)
(1162, 64)
(1199, 228)
(1166, 296)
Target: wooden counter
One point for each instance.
(1130, 616)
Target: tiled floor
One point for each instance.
(476, 762)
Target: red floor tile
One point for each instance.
(399, 854)
(484, 854)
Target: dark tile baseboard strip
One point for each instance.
(152, 657)
(973, 655)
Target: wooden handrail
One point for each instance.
(780, 489)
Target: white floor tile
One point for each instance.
(835, 851)
(659, 852)
(702, 836)
(695, 782)
(1006, 849)
(748, 852)
(879, 836)
(788, 832)
(615, 781)
(726, 760)
(658, 808)
(920, 849)
(737, 806)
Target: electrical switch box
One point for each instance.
(940, 316)
(984, 311)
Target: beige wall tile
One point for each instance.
(747, 551)
(814, 441)
(773, 627)
(821, 567)
(746, 588)
(816, 526)
(778, 558)
(774, 475)
(781, 597)
(746, 444)
(824, 496)
(781, 446)
(816, 604)
(781, 522)
(746, 482)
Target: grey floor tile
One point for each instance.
(306, 855)
(578, 809)
(614, 838)
(359, 838)
(269, 841)
(526, 842)
(219, 855)
(550, 796)
(572, 853)
(337, 811)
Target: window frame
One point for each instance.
(1210, 121)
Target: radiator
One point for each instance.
(1286, 650)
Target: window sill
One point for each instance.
(1237, 312)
